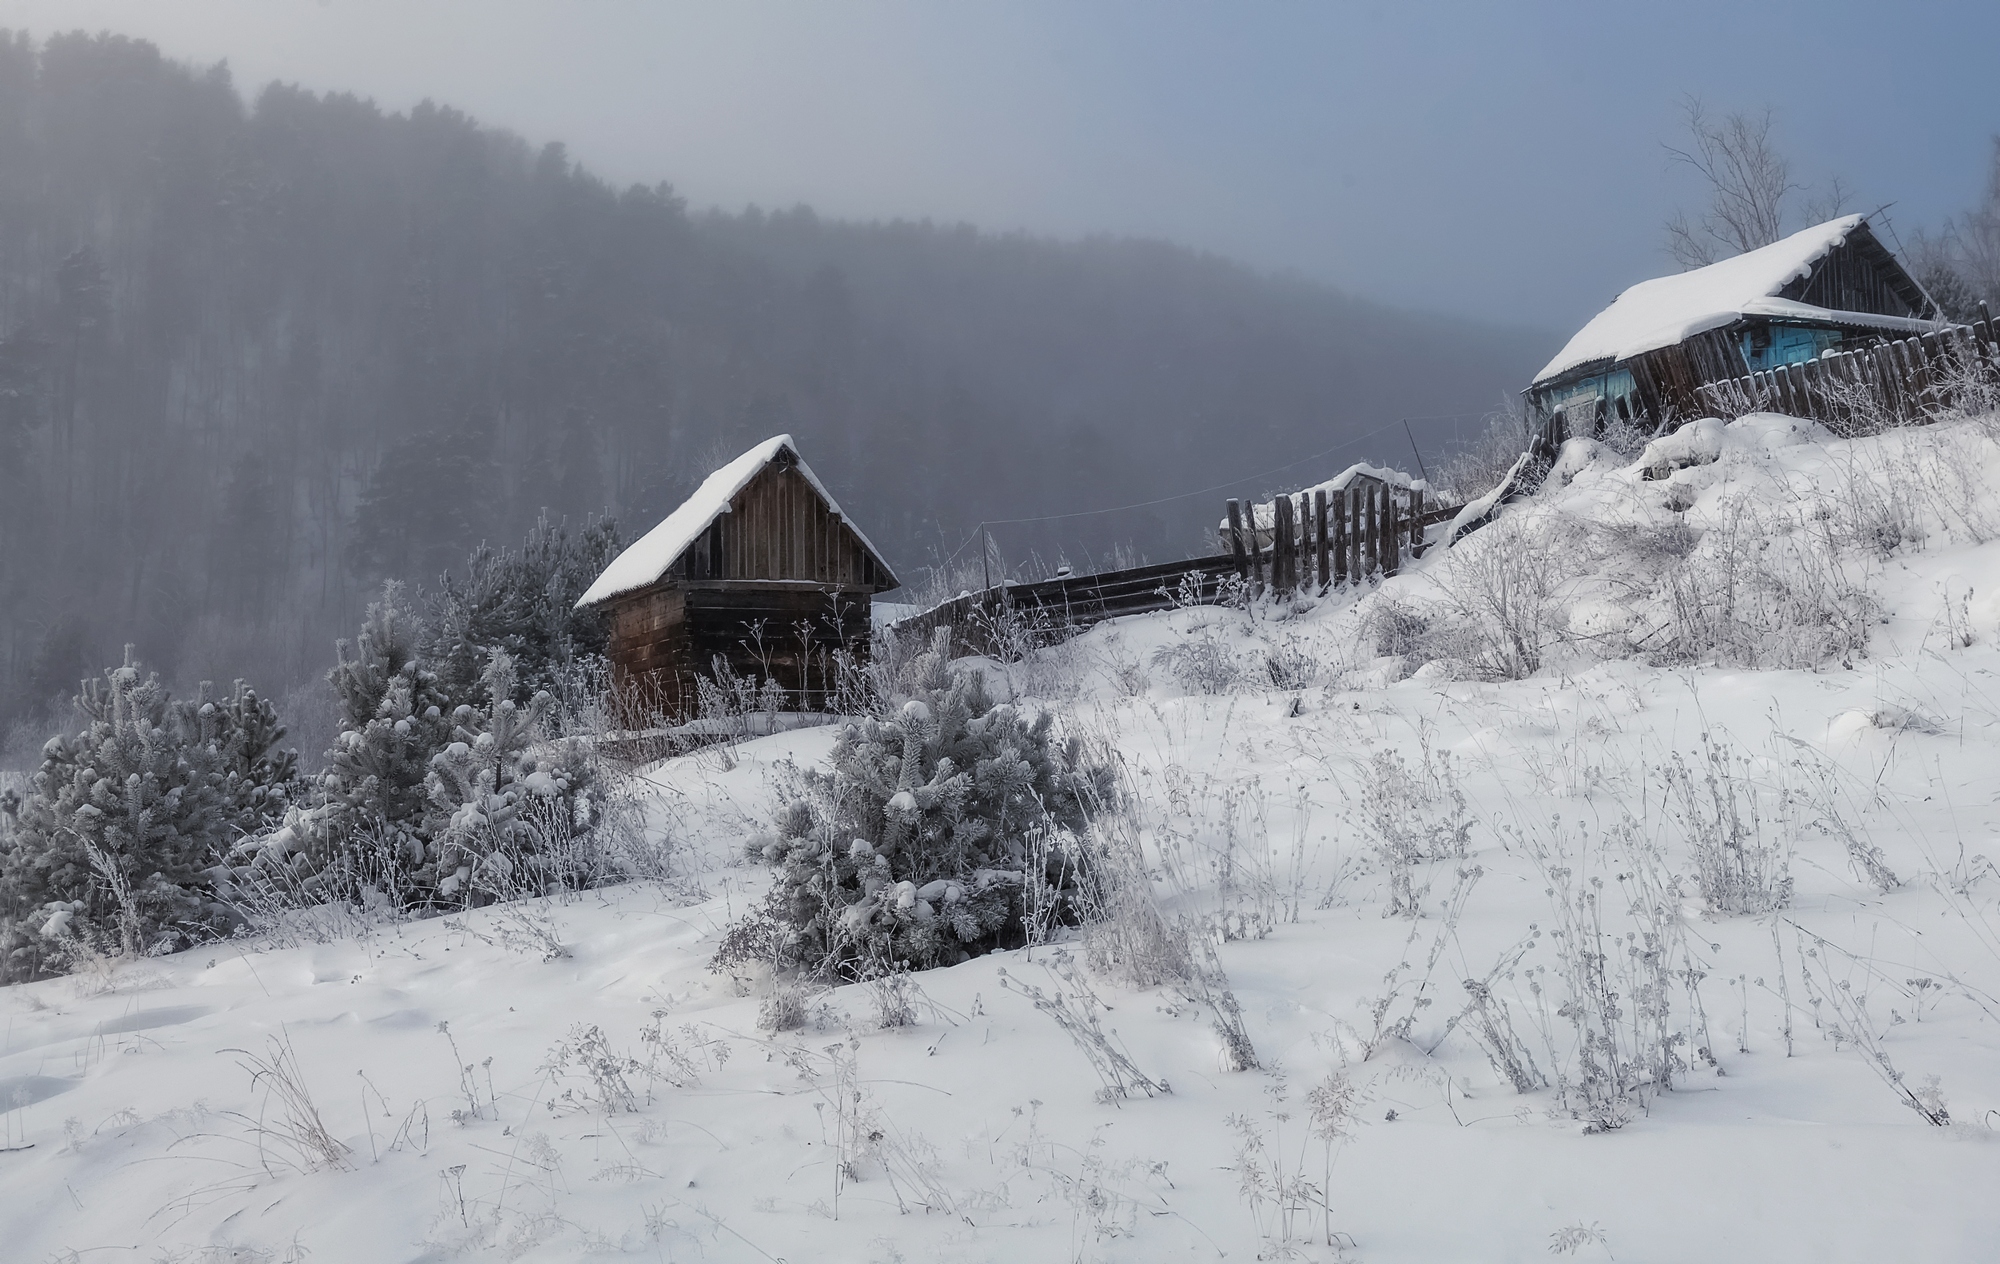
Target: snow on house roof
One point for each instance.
(1670, 309)
(647, 558)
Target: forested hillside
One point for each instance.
(257, 355)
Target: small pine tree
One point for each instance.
(522, 604)
(394, 718)
(918, 846)
(116, 843)
(510, 801)
(427, 803)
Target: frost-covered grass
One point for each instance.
(1675, 945)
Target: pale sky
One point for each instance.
(1496, 161)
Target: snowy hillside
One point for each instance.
(1615, 885)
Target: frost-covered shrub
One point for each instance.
(1413, 816)
(1291, 663)
(1396, 626)
(1754, 594)
(1201, 663)
(1741, 863)
(427, 802)
(929, 836)
(1477, 468)
(1505, 587)
(1625, 982)
(112, 846)
(523, 605)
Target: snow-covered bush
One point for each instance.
(427, 802)
(1504, 586)
(1201, 662)
(111, 848)
(1412, 816)
(1753, 593)
(929, 838)
(522, 604)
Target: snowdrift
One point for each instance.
(1614, 884)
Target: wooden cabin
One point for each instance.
(1832, 287)
(760, 568)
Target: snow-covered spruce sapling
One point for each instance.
(112, 847)
(506, 795)
(916, 846)
(369, 820)
(427, 802)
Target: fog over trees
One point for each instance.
(256, 356)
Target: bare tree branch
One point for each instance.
(1747, 178)
(1829, 203)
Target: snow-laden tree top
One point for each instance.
(649, 557)
(1667, 310)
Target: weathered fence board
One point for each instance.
(1016, 617)
(1906, 381)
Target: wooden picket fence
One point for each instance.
(1908, 381)
(1346, 537)
(1305, 542)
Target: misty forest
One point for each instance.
(541, 720)
(260, 355)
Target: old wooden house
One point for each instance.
(1832, 287)
(759, 569)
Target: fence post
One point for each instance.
(1886, 384)
(1392, 535)
(1921, 355)
(1256, 549)
(1355, 535)
(1374, 533)
(1340, 534)
(1293, 534)
(1319, 539)
(1901, 356)
(1302, 566)
(1416, 522)
(1236, 541)
(1281, 544)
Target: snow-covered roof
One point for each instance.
(1670, 309)
(648, 557)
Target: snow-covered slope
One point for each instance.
(619, 1100)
